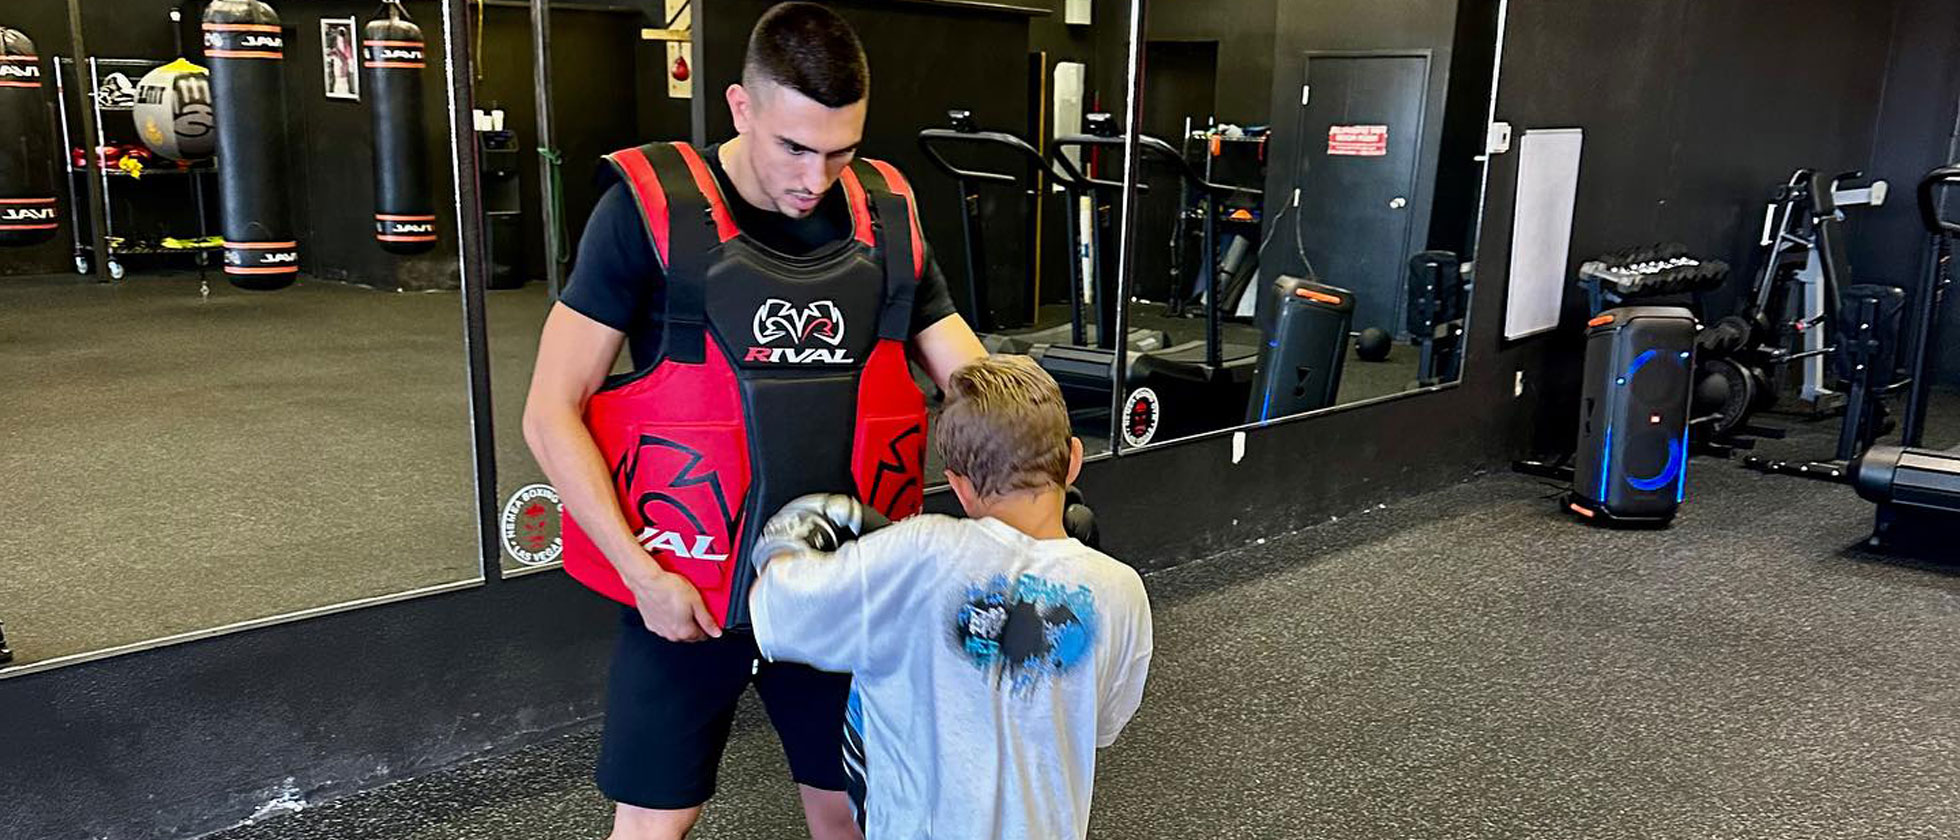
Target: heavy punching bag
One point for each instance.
(246, 51)
(28, 213)
(392, 62)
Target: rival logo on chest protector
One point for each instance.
(703, 547)
(780, 322)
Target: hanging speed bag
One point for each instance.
(246, 49)
(391, 65)
(28, 212)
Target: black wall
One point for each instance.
(1916, 132)
(1245, 33)
(331, 140)
(45, 21)
(196, 736)
(1693, 110)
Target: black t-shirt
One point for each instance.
(617, 280)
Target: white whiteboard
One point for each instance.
(1541, 229)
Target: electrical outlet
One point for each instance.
(1517, 385)
(1497, 140)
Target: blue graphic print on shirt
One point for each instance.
(1024, 631)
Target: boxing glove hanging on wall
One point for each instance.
(392, 62)
(28, 213)
(246, 51)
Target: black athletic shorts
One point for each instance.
(669, 706)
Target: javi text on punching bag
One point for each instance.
(28, 212)
(246, 50)
(392, 61)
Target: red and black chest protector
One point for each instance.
(778, 376)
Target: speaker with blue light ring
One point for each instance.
(1631, 466)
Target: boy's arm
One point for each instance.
(1123, 687)
(816, 607)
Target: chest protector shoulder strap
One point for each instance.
(679, 437)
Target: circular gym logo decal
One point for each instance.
(1140, 415)
(531, 525)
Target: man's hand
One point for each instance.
(671, 607)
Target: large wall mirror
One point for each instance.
(967, 100)
(1309, 205)
(606, 86)
(235, 354)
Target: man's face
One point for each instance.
(795, 145)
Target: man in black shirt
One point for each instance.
(676, 675)
(617, 280)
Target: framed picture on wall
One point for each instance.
(339, 45)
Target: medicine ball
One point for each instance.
(174, 115)
(1373, 344)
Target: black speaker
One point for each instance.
(1305, 325)
(1632, 462)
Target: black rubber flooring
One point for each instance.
(176, 463)
(1468, 663)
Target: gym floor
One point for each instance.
(1471, 662)
(181, 451)
(186, 463)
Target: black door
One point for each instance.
(1360, 146)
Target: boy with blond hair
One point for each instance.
(993, 655)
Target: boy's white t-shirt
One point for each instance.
(990, 666)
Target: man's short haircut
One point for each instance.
(809, 49)
(1005, 427)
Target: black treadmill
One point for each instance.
(1212, 374)
(1030, 180)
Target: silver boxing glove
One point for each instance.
(819, 521)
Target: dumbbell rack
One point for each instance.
(116, 246)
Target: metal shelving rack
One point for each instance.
(117, 246)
